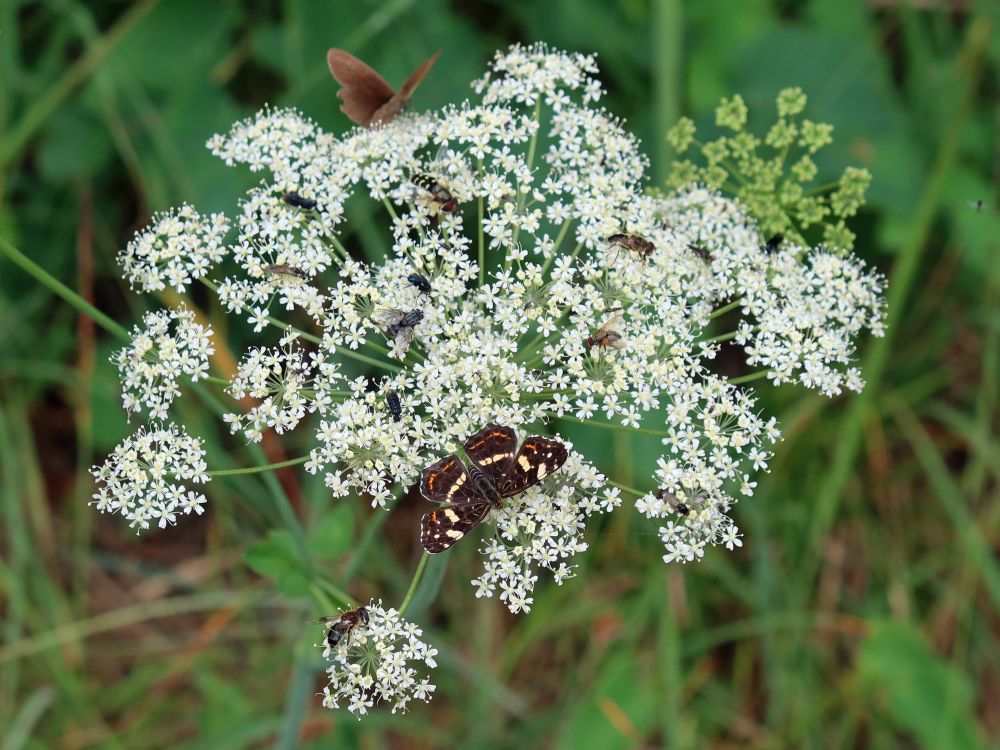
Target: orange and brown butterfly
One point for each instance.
(368, 99)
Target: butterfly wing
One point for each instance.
(492, 449)
(441, 528)
(538, 457)
(401, 99)
(447, 481)
(363, 91)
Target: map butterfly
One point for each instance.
(498, 470)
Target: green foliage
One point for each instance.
(786, 204)
(112, 642)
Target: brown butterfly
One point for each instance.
(368, 99)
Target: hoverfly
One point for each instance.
(398, 324)
(440, 195)
(420, 282)
(633, 243)
(343, 625)
(368, 99)
(291, 272)
(393, 403)
(607, 336)
(294, 199)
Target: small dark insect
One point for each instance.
(977, 205)
(498, 470)
(774, 243)
(633, 243)
(342, 625)
(368, 99)
(395, 407)
(440, 195)
(398, 324)
(294, 199)
(420, 282)
(607, 336)
(289, 271)
(701, 252)
(671, 499)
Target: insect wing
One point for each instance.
(441, 528)
(388, 316)
(403, 338)
(537, 458)
(447, 481)
(363, 91)
(401, 99)
(492, 449)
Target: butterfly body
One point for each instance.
(498, 469)
(367, 99)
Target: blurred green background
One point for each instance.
(862, 610)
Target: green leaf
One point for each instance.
(277, 557)
(331, 535)
(923, 694)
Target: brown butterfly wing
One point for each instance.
(401, 99)
(363, 91)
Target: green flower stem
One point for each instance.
(258, 469)
(626, 488)
(726, 308)
(613, 426)
(341, 596)
(57, 287)
(417, 575)
(482, 244)
(722, 337)
(389, 207)
(532, 145)
(751, 377)
(217, 381)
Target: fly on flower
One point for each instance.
(673, 501)
(499, 469)
(368, 99)
(633, 243)
(288, 272)
(398, 324)
(607, 336)
(340, 627)
(440, 195)
(294, 199)
(774, 243)
(701, 252)
(393, 404)
(420, 282)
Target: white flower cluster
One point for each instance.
(558, 289)
(169, 344)
(143, 478)
(181, 245)
(288, 383)
(808, 307)
(379, 662)
(542, 528)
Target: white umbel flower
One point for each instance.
(382, 662)
(168, 345)
(181, 245)
(144, 477)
